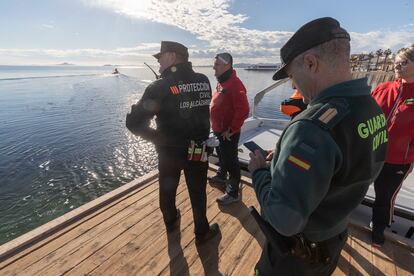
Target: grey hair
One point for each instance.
(406, 53)
(333, 52)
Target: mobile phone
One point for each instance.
(252, 146)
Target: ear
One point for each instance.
(173, 57)
(311, 63)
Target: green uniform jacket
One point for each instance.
(323, 163)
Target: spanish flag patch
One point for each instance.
(299, 162)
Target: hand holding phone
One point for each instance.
(252, 146)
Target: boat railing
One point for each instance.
(259, 96)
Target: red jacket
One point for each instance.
(401, 122)
(229, 106)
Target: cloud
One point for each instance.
(212, 22)
(124, 55)
(48, 26)
(209, 20)
(371, 41)
(216, 28)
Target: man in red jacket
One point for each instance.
(396, 100)
(229, 108)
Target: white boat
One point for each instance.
(263, 67)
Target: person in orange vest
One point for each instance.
(293, 105)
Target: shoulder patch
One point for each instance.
(331, 113)
(328, 115)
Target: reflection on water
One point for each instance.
(63, 140)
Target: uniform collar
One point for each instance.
(180, 67)
(225, 76)
(352, 88)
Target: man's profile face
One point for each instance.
(219, 67)
(166, 60)
(299, 79)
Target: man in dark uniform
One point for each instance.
(180, 101)
(324, 160)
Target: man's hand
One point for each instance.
(227, 134)
(257, 161)
(269, 156)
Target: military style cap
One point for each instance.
(311, 34)
(171, 46)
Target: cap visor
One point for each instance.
(157, 56)
(281, 73)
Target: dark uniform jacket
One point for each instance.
(180, 101)
(323, 163)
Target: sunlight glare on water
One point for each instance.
(63, 140)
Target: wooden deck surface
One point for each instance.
(127, 237)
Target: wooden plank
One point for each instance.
(179, 263)
(250, 257)
(154, 257)
(83, 246)
(86, 234)
(43, 231)
(382, 259)
(361, 256)
(47, 248)
(344, 262)
(155, 240)
(126, 236)
(236, 215)
(404, 260)
(237, 249)
(136, 237)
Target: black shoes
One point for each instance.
(217, 179)
(227, 199)
(212, 232)
(378, 239)
(171, 226)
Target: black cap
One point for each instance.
(311, 34)
(171, 46)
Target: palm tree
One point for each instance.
(360, 60)
(370, 56)
(354, 62)
(379, 53)
(386, 54)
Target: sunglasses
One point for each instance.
(401, 63)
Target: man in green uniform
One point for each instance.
(324, 160)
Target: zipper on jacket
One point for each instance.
(406, 151)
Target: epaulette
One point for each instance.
(331, 113)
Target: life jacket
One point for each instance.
(294, 105)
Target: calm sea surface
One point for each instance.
(63, 140)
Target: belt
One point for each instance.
(315, 252)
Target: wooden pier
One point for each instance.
(122, 233)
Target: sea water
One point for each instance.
(63, 140)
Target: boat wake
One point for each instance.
(47, 77)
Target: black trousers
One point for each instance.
(171, 161)
(227, 152)
(272, 264)
(386, 186)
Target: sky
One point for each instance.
(128, 32)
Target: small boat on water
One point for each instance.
(122, 232)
